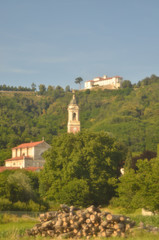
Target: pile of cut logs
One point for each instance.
(69, 222)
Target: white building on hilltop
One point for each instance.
(28, 155)
(110, 83)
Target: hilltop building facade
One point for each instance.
(73, 125)
(106, 82)
(28, 155)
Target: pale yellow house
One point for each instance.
(28, 155)
(106, 82)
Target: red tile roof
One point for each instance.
(3, 168)
(25, 145)
(102, 78)
(32, 169)
(19, 158)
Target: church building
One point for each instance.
(73, 125)
(28, 155)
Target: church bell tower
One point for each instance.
(73, 125)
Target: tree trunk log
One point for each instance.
(115, 218)
(119, 226)
(71, 222)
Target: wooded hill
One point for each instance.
(128, 114)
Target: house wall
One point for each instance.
(14, 153)
(23, 152)
(88, 85)
(115, 81)
(15, 163)
(37, 163)
(30, 152)
(24, 163)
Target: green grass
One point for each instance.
(8, 230)
(150, 220)
(136, 216)
(13, 227)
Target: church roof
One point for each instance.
(73, 100)
(99, 79)
(25, 145)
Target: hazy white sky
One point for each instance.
(54, 41)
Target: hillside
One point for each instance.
(130, 115)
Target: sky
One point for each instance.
(52, 42)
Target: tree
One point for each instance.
(16, 186)
(78, 80)
(33, 87)
(140, 189)
(81, 165)
(67, 88)
(50, 90)
(19, 187)
(126, 84)
(139, 84)
(42, 89)
(4, 154)
(3, 184)
(128, 161)
(144, 155)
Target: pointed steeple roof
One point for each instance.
(73, 100)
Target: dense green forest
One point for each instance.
(129, 114)
(84, 168)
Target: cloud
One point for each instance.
(54, 60)
(17, 70)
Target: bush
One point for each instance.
(20, 206)
(5, 204)
(30, 206)
(87, 91)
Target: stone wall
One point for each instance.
(39, 150)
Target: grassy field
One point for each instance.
(13, 227)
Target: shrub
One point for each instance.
(20, 206)
(32, 206)
(5, 204)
